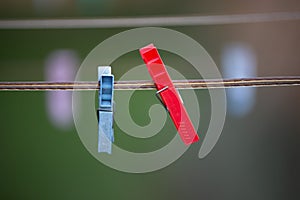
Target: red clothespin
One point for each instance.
(169, 95)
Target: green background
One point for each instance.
(257, 156)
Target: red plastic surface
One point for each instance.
(169, 96)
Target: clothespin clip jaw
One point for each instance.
(105, 110)
(169, 95)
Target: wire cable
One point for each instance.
(148, 85)
(121, 22)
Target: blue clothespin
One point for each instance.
(105, 111)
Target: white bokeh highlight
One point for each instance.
(239, 61)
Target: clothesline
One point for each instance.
(119, 22)
(148, 85)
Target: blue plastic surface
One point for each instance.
(105, 111)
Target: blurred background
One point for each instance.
(256, 157)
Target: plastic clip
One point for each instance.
(169, 95)
(105, 110)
